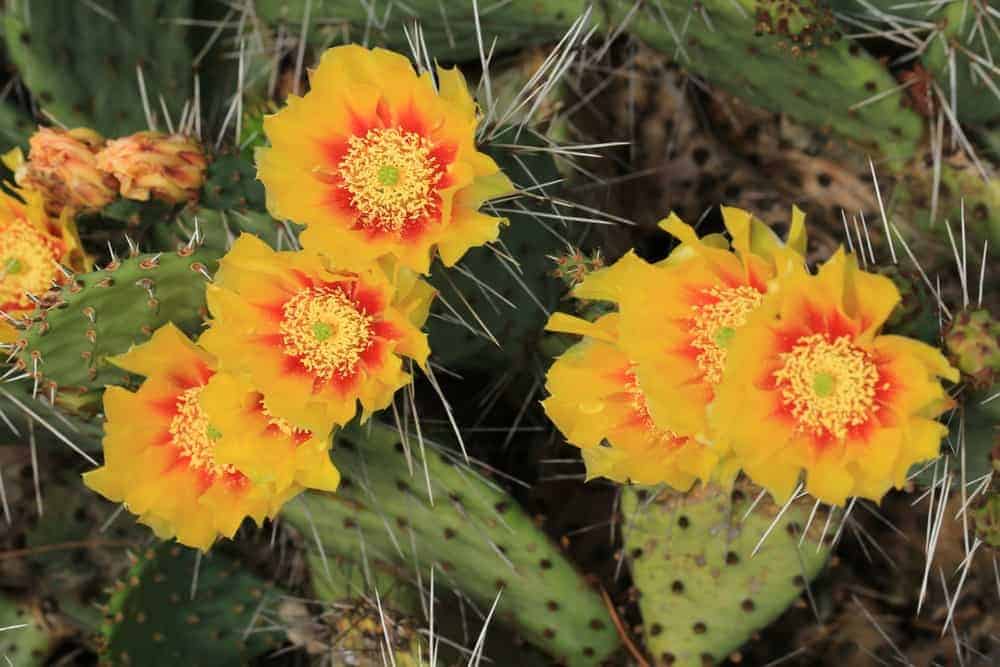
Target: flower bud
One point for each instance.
(62, 166)
(170, 168)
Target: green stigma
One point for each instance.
(213, 433)
(12, 266)
(724, 336)
(823, 384)
(322, 331)
(388, 175)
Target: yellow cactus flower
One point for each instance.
(62, 166)
(375, 161)
(32, 246)
(596, 401)
(170, 168)
(265, 448)
(315, 339)
(159, 449)
(679, 316)
(811, 387)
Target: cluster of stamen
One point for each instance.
(390, 174)
(195, 436)
(640, 409)
(27, 264)
(326, 331)
(283, 426)
(714, 324)
(828, 385)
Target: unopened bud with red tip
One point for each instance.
(62, 167)
(170, 168)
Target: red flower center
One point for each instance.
(828, 384)
(326, 331)
(391, 176)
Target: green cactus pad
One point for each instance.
(27, 645)
(231, 183)
(218, 229)
(784, 56)
(475, 537)
(15, 126)
(448, 25)
(81, 65)
(103, 313)
(456, 337)
(702, 592)
(153, 621)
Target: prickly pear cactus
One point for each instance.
(231, 183)
(704, 589)
(81, 59)
(102, 313)
(786, 56)
(173, 608)
(492, 310)
(23, 639)
(448, 24)
(474, 536)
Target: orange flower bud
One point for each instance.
(62, 166)
(170, 168)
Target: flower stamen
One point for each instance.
(391, 175)
(194, 436)
(28, 264)
(714, 324)
(828, 385)
(640, 409)
(326, 331)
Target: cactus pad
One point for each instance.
(81, 65)
(474, 535)
(456, 337)
(154, 620)
(104, 312)
(785, 56)
(703, 593)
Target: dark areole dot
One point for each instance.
(677, 586)
(699, 628)
(683, 522)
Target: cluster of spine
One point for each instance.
(65, 343)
